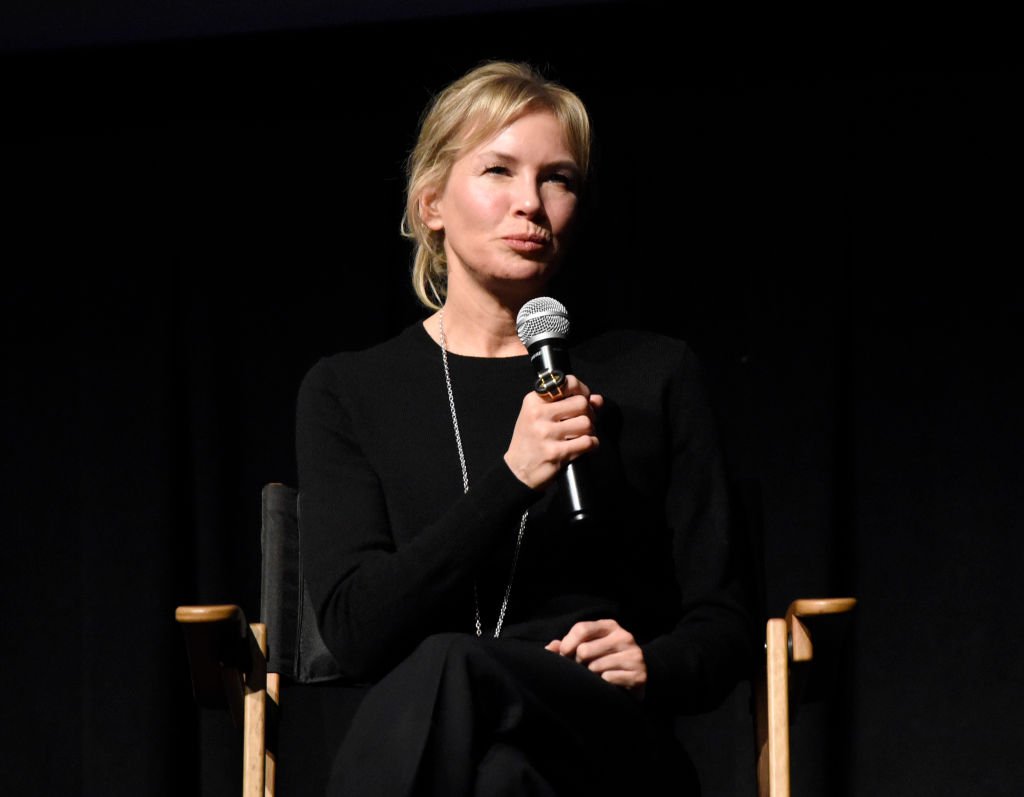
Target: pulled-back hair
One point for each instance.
(470, 111)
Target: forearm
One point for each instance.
(695, 664)
(376, 600)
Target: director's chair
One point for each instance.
(238, 665)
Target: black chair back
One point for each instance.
(295, 647)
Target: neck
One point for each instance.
(485, 327)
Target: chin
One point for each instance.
(527, 270)
(521, 289)
(514, 279)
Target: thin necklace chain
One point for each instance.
(465, 489)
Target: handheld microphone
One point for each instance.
(543, 326)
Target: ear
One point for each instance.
(430, 209)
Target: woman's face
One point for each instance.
(507, 208)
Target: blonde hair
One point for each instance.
(470, 111)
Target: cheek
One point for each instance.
(563, 213)
(479, 207)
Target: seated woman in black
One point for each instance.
(510, 651)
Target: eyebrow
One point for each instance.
(492, 154)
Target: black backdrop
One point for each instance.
(832, 222)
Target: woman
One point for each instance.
(511, 651)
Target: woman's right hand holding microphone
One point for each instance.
(550, 432)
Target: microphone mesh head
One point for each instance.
(540, 318)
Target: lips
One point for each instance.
(527, 242)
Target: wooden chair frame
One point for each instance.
(787, 641)
(228, 658)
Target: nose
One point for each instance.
(527, 201)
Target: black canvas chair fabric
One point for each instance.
(295, 648)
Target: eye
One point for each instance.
(502, 170)
(564, 179)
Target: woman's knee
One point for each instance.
(507, 771)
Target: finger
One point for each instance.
(568, 406)
(630, 660)
(625, 679)
(571, 386)
(571, 407)
(575, 387)
(592, 443)
(553, 645)
(550, 385)
(561, 451)
(608, 645)
(541, 408)
(583, 631)
(615, 641)
(574, 427)
(580, 446)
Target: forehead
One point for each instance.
(535, 134)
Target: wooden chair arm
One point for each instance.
(224, 612)
(786, 641)
(800, 644)
(227, 657)
(220, 654)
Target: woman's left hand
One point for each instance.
(606, 648)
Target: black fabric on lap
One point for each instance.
(468, 716)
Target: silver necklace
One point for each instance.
(465, 489)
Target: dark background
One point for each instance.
(829, 212)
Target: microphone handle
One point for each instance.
(575, 496)
(552, 355)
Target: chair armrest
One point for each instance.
(800, 644)
(220, 654)
(224, 612)
(227, 657)
(787, 640)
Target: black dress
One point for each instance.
(392, 548)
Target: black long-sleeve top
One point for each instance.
(391, 546)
